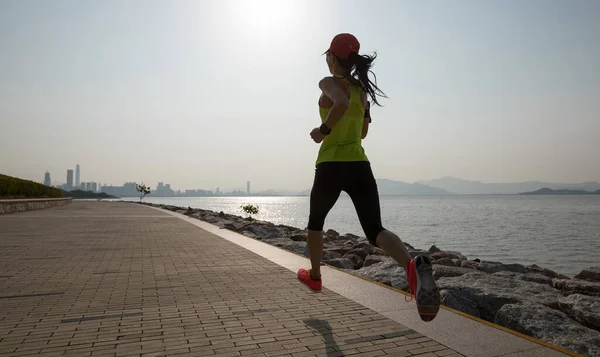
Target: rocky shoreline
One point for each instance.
(529, 299)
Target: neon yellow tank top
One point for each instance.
(344, 143)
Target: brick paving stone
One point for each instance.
(118, 279)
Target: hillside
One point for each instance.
(466, 187)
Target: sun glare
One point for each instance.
(265, 14)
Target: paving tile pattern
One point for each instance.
(115, 279)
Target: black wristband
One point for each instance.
(324, 129)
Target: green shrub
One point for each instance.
(250, 210)
(17, 188)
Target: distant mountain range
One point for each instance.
(453, 186)
(386, 188)
(548, 191)
(466, 187)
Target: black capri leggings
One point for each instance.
(357, 180)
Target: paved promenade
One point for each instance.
(113, 279)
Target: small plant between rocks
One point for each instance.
(250, 210)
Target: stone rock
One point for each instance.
(433, 249)
(534, 278)
(339, 250)
(591, 274)
(444, 261)
(236, 226)
(378, 251)
(296, 247)
(349, 243)
(491, 292)
(366, 246)
(457, 262)
(361, 252)
(373, 259)
(458, 254)
(469, 264)
(341, 263)
(444, 271)
(221, 214)
(460, 303)
(387, 272)
(351, 237)
(329, 254)
(408, 246)
(298, 237)
(543, 271)
(584, 309)
(494, 268)
(332, 233)
(251, 235)
(441, 255)
(267, 232)
(549, 325)
(577, 287)
(356, 259)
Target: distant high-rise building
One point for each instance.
(77, 176)
(69, 185)
(248, 188)
(94, 187)
(47, 181)
(82, 187)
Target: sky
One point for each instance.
(204, 94)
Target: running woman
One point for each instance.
(343, 166)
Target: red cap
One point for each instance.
(343, 44)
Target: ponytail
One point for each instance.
(359, 66)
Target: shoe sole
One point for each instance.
(428, 294)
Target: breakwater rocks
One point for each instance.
(529, 299)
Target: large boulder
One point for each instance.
(361, 252)
(448, 254)
(498, 267)
(444, 261)
(298, 237)
(549, 325)
(378, 251)
(331, 233)
(296, 247)
(543, 271)
(433, 249)
(267, 232)
(366, 246)
(444, 271)
(458, 302)
(341, 263)
(328, 255)
(534, 278)
(584, 309)
(577, 286)
(591, 274)
(387, 272)
(491, 292)
(356, 259)
(373, 259)
(340, 250)
(471, 264)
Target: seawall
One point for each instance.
(22, 205)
